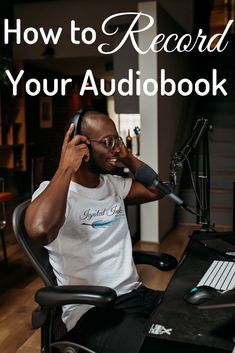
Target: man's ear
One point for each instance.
(86, 159)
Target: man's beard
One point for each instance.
(94, 167)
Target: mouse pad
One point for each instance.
(219, 245)
(222, 244)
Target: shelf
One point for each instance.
(6, 147)
(11, 147)
(12, 130)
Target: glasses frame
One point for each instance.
(117, 141)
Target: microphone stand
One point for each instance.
(200, 132)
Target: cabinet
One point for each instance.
(12, 129)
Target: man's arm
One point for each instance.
(138, 193)
(46, 213)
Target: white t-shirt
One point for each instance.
(93, 247)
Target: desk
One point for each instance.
(178, 326)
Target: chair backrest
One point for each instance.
(36, 253)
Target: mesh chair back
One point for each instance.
(36, 253)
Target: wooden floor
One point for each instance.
(19, 282)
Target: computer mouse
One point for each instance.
(200, 294)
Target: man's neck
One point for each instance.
(86, 178)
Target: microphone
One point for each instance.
(148, 177)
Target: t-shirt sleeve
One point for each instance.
(40, 189)
(122, 185)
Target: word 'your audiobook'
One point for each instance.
(125, 87)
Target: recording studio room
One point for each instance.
(161, 74)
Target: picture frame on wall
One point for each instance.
(46, 118)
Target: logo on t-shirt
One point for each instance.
(102, 218)
(101, 224)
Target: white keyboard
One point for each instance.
(220, 275)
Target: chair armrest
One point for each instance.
(60, 295)
(162, 261)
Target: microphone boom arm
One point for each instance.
(180, 156)
(202, 178)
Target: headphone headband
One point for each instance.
(76, 119)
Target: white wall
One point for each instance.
(149, 122)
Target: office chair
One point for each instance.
(51, 297)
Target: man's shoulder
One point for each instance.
(113, 178)
(121, 184)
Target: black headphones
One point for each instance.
(77, 119)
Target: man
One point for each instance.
(80, 217)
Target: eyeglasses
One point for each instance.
(110, 141)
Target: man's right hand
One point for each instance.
(74, 150)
